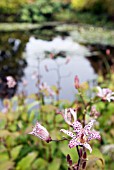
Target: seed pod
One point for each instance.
(69, 168)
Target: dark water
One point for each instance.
(23, 53)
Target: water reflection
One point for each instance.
(11, 63)
(101, 58)
(48, 51)
(56, 51)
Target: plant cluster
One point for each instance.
(19, 150)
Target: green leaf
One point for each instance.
(40, 164)
(25, 163)
(3, 157)
(48, 108)
(15, 151)
(4, 133)
(95, 161)
(66, 150)
(2, 116)
(32, 105)
(6, 165)
(55, 164)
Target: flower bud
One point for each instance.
(76, 82)
(41, 132)
(70, 162)
(51, 55)
(84, 165)
(85, 155)
(68, 158)
(107, 51)
(69, 168)
(80, 152)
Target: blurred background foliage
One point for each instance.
(67, 10)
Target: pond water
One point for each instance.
(25, 53)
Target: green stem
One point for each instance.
(78, 165)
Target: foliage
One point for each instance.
(12, 6)
(39, 11)
(94, 5)
(22, 151)
(109, 6)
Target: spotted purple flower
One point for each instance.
(83, 135)
(105, 94)
(41, 132)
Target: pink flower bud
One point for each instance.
(107, 51)
(76, 82)
(80, 152)
(84, 165)
(85, 155)
(51, 55)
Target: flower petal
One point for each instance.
(94, 135)
(89, 125)
(77, 126)
(73, 143)
(74, 114)
(86, 145)
(112, 97)
(69, 133)
(100, 93)
(67, 117)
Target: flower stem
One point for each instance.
(56, 140)
(78, 165)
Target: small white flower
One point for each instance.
(105, 94)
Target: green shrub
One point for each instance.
(94, 5)
(11, 6)
(39, 11)
(109, 6)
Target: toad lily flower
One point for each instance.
(41, 132)
(105, 94)
(83, 135)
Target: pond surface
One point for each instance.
(23, 54)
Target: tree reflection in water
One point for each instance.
(12, 64)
